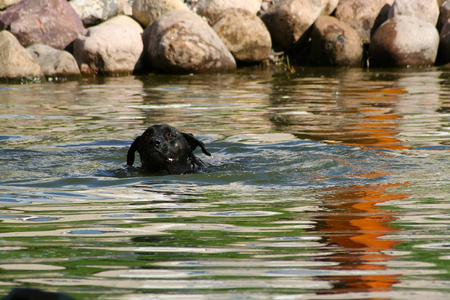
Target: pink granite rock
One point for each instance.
(427, 10)
(49, 22)
(289, 20)
(182, 42)
(15, 61)
(362, 14)
(404, 41)
(109, 48)
(335, 43)
(244, 34)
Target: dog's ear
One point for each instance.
(193, 143)
(132, 150)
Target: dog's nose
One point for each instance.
(156, 142)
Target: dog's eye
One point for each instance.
(171, 135)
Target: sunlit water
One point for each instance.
(324, 184)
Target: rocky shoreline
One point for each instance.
(58, 39)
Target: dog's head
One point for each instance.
(164, 149)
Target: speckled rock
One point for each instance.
(146, 11)
(427, 10)
(49, 22)
(54, 62)
(288, 21)
(362, 15)
(182, 42)
(93, 12)
(244, 34)
(335, 43)
(213, 8)
(15, 61)
(404, 41)
(109, 48)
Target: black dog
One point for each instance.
(164, 149)
(34, 294)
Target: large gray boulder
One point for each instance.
(54, 62)
(15, 61)
(93, 12)
(289, 20)
(244, 34)
(404, 41)
(146, 11)
(362, 14)
(214, 8)
(182, 42)
(109, 48)
(335, 43)
(427, 10)
(49, 22)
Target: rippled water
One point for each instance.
(325, 184)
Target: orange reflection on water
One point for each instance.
(354, 228)
(356, 224)
(377, 130)
(378, 127)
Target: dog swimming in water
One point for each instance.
(164, 149)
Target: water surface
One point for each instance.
(325, 184)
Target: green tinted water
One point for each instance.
(325, 184)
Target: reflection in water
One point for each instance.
(378, 124)
(363, 109)
(314, 176)
(368, 116)
(353, 227)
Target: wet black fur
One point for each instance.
(164, 149)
